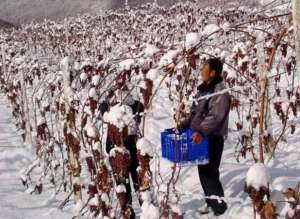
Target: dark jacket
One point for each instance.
(209, 116)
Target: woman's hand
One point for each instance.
(197, 138)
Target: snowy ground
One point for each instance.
(284, 170)
(15, 203)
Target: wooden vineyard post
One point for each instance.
(262, 95)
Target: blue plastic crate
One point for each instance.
(177, 146)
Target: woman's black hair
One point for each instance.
(215, 64)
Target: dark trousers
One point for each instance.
(210, 176)
(130, 144)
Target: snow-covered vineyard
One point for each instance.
(56, 77)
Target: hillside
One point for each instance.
(24, 11)
(5, 24)
(20, 11)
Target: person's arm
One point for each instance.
(218, 109)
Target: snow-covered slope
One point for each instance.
(14, 203)
(5, 24)
(20, 11)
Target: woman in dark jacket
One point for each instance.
(209, 118)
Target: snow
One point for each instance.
(93, 94)
(265, 2)
(126, 64)
(210, 29)
(258, 176)
(276, 196)
(192, 39)
(145, 196)
(177, 209)
(76, 180)
(239, 47)
(91, 131)
(231, 73)
(242, 61)
(119, 116)
(83, 77)
(65, 66)
(142, 85)
(94, 201)
(29, 190)
(15, 155)
(115, 150)
(150, 50)
(120, 188)
(226, 27)
(96, 80)
(41, 121)
(145, 147)
(291, 213)
(152, 74)
(96, 145)
(149, 211)
(78, 207)
(105, 198)
(65, 63)
(77, 66)
(19, 61)
(86, 62)
(168, 57)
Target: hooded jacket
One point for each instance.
(209, 116)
